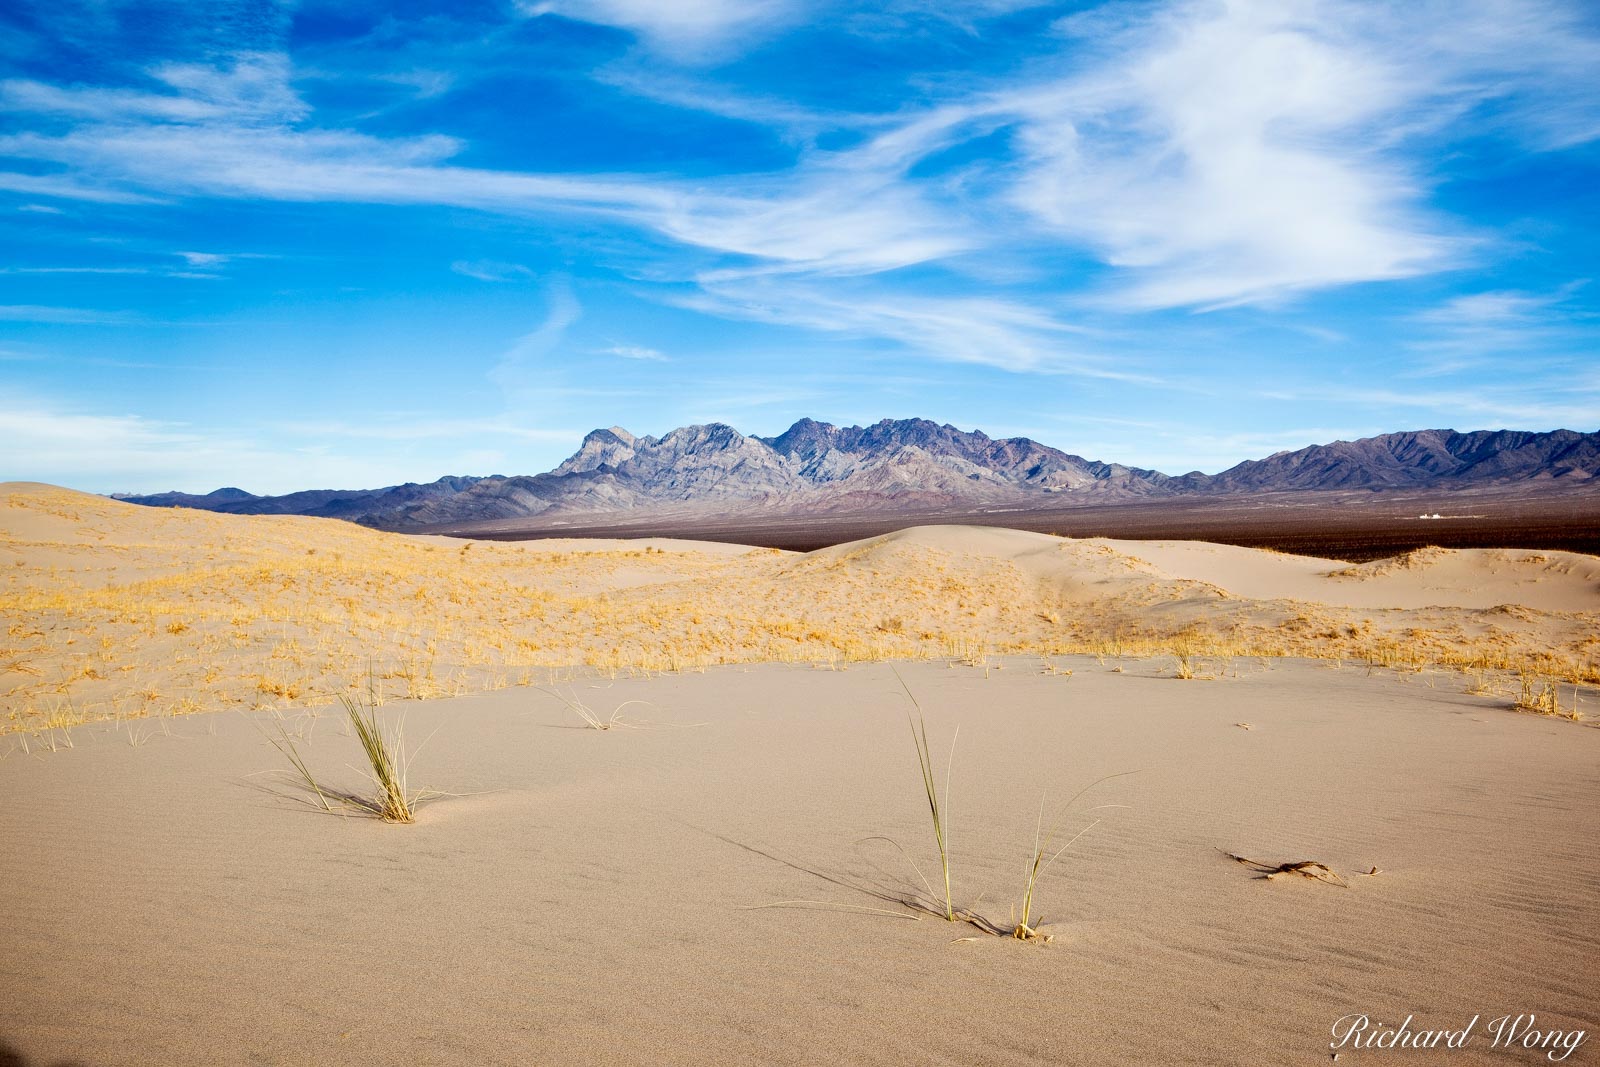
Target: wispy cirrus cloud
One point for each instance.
(1497, 308)
(204, 259)
(686, 29)
(77, 443)
(1008, 335)
(67, 188)
(251, 88)
(1531, 401)
(488, 270)
(1202, 154)
(1473, 330)
(208, 263)
(74, 270)
(524, 366)
(65, 315)
(702, 30)
(1248, 151)
(840, 212)
(638, 352)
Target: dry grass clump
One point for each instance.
(1537, 695)
(591, 718)
(1540, 696)
(1185, 664)
(1045, 851)
(387, 760)
(386, 756)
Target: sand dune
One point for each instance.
(121, 611)
(1429, 577)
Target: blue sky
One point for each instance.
(284, 246)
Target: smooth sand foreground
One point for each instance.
(589, 900)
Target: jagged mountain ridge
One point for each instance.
(911, 464)
(1419, 458)
(830, 453)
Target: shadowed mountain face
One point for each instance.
(1421, 458)
(911, 465)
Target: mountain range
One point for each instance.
(909, 464)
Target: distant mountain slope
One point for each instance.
(211, 501)
(909, 464)
(354, 504)
(1419, 458)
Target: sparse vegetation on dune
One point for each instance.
(592, 718)
(1543, 697)
(386, 756)
(117, 612)
(1025, 925)
(387, 759)
(1045, 854)
(938, 807)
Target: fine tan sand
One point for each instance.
(116, 611)
(743, 870)
(589, 899)
(1431, 577)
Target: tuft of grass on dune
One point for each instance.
(938, 808)
(1025, 924)
(592, 718)
(1045, 854)
(386, 756)
(387, 759)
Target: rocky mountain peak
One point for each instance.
(804, 440)
(600, 448)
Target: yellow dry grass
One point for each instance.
(113, 611)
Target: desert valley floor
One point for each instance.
(740, 870)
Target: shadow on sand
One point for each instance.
(10, 1057)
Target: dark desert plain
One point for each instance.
(741, 866)
(1355, 526)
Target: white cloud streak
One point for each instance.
(64, 315)
(106, 453)
(1008, 335)
(487, 270)
(1209, 153)
(689, 30)
(638, 352)
(524, 364)
(1532, 404)
(253, 89)
(1476, 329)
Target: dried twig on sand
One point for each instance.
(1304, 868)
